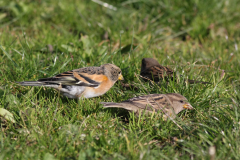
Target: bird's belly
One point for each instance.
(90, 92)
(73, 91)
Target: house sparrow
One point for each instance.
(152, 70)
(171, 104)
(85, 82)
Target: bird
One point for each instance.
(170, 104)
(81, 83)
(152, 70)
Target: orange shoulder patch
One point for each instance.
(95, 77)
(99, 78)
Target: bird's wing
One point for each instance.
(150, 102)
(156, 72)
(76, 78)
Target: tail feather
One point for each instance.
(31, 83)
(194, 81)
(38, 83)
(119, 105)
(112, 105)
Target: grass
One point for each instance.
(198, 40)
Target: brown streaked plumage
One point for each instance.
(171, 103)
(83, 82)
(152, 70)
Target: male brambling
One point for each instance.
(85, 82)
(171, 104)
(152, 70)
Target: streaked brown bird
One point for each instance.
(152, 70)
(171, 104)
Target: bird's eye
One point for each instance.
(119, 72)
(181, 101)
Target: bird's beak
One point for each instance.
(120, 77)
(187, 106)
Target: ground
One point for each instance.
(197, 39)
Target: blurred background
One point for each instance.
(94, 32)
(134, 22)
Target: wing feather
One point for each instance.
(71, 78)
(149, 102)
(156, 72)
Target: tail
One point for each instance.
(31, 83)
(39, 83)
(119, 105)
(112, 105)
(193, 81)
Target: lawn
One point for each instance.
(199, 40)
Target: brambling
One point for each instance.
(152, 70)
(171, 104)
(85, 82)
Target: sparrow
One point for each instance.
(170, 104)
(81, 83)
(152, 70)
